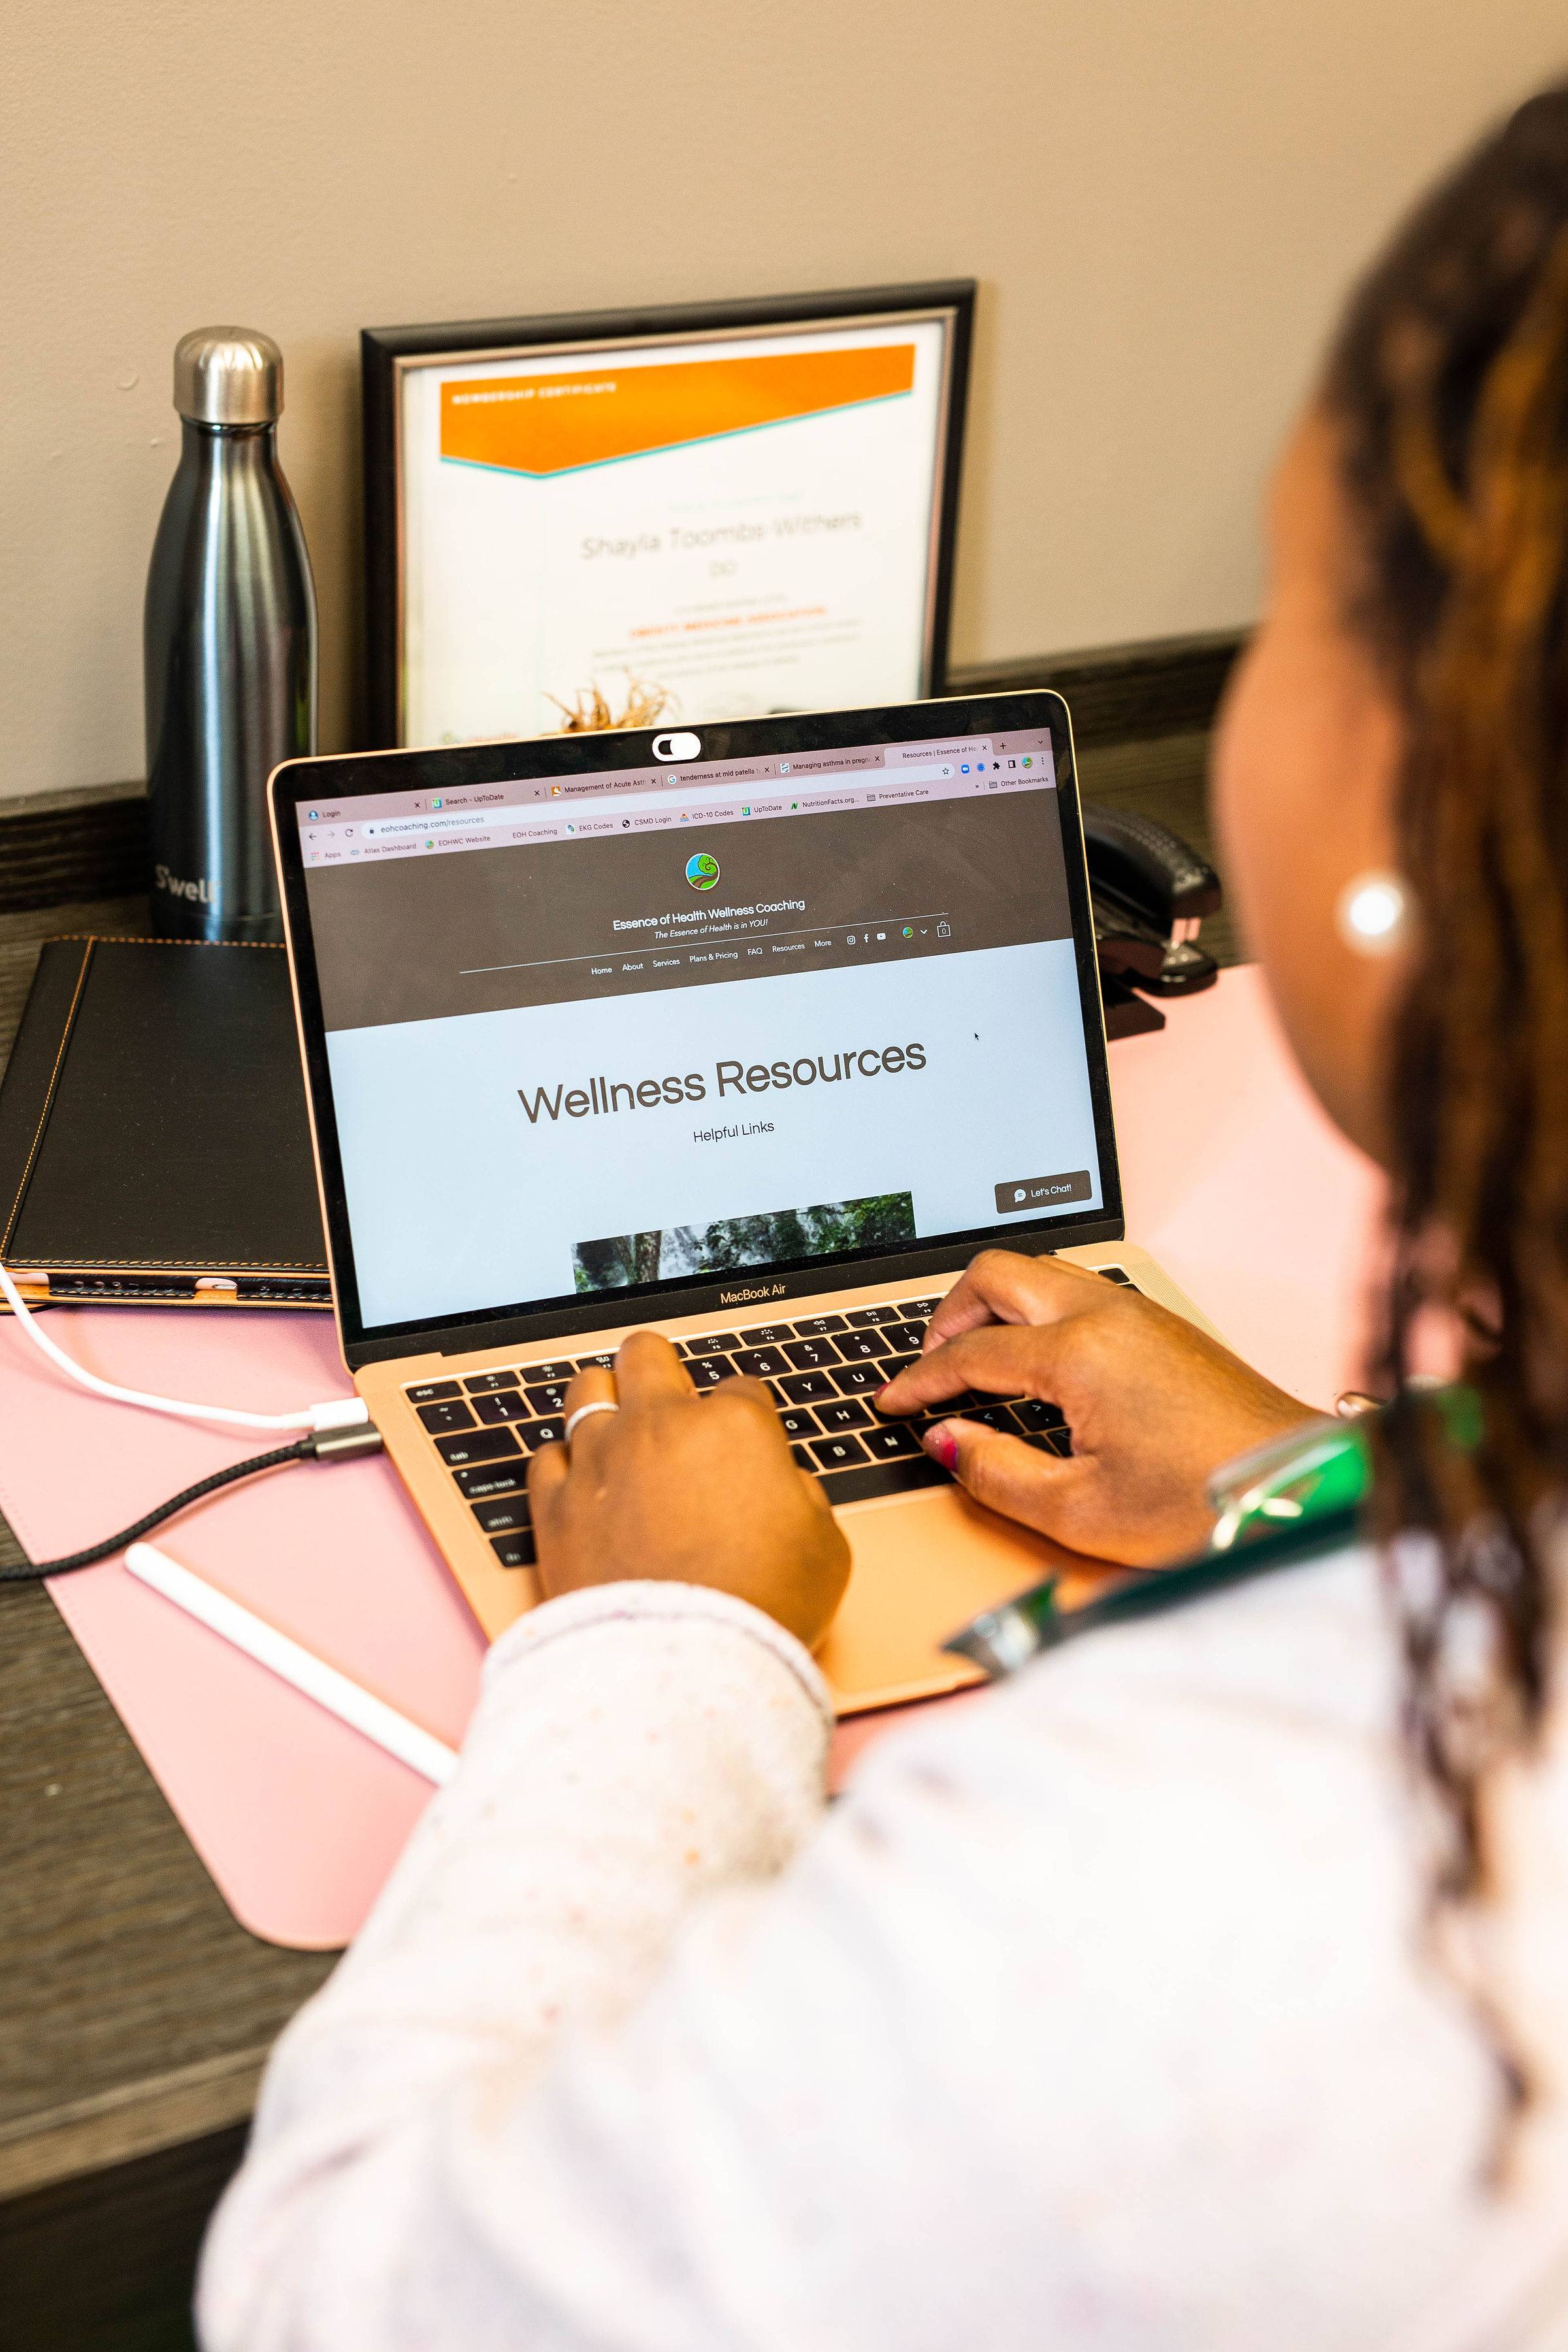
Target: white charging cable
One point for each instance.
(338, 1412)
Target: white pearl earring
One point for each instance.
(1372, 914)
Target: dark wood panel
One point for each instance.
(107, 2263)
(73, 846)
(1122, 694)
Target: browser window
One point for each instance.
(605, 1033)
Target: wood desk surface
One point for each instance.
(135, 2014)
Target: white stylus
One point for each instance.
(307, 1673)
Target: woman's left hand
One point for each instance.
(692, 1489)
(1155, 1406)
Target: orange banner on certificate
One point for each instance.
(554, 424)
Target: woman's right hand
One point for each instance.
(695, 1489)
(1154, 1405)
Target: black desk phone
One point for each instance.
(1150, 892)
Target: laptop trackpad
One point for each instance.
(924, 1565)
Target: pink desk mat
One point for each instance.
(1234, 1179)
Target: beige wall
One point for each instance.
(1162, 199)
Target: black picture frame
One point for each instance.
(387, 352)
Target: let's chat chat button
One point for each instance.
(1042, 1192)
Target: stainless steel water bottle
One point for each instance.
(230, 644)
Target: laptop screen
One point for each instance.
(593, 1037)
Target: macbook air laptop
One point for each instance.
(753, 1033)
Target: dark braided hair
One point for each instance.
(1447, 392)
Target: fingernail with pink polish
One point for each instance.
(941, 1443)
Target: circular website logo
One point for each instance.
(703, 871)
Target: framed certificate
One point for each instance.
(716, 511)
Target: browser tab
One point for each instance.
(962, 747)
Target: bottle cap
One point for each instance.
(228, 375)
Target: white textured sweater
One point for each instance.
(1093, 2016)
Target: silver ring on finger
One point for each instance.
(600, 1404)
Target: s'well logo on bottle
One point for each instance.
(178, 890)
(703, 871)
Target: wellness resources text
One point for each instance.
(603, 1096)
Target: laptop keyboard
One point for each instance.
(821, 1370)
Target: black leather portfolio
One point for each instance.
(154, 1139)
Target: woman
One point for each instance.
(1153, 1999)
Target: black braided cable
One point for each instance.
(30, 1571)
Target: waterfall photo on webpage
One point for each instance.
(779, 1237)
